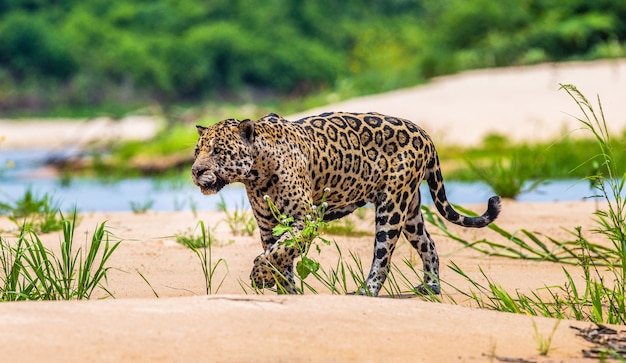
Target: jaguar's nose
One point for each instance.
(197, 171)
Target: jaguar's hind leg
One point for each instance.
(415, 232)
(389, 222)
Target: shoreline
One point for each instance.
(183, 324)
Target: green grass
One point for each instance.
(544, 342)
(344, 227)
(524, 244)
(141, 207)
(507, 177)
(179, 204)
(202, 247)
(608, 297)
(30, 271)
(511, 169)
(572, 156)
(240, 221)
(36, 212)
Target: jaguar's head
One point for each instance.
(223, 154)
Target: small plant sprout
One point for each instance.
(202, 247)
(240, 221)
(141, 207)
(544, 343)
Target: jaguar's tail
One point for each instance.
(438, 193)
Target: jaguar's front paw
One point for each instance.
(428, 289)
(262, 274)
(361, 291)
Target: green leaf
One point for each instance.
(306, 266)
(280, 229)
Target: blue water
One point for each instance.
(163, 195)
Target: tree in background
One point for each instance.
(132, 52)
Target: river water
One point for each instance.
(20, 170)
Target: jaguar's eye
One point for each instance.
(215, 151)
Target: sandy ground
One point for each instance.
(53, 133)
(236, 325)
(184, 325)
(520, 102)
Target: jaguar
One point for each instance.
(347, 159)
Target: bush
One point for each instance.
(31, 46)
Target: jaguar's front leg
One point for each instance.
(276, 263)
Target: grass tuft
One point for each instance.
(507, 177)
(30, 271)
(527, 245)
(544, 343)
(36, 212)
(141, 207)
(202, 247)
(240, 221)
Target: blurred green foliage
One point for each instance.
(565, 158)
(70, 53)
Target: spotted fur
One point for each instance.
(361, 157)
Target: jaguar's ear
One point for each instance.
(200, 129)
(246, 130)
